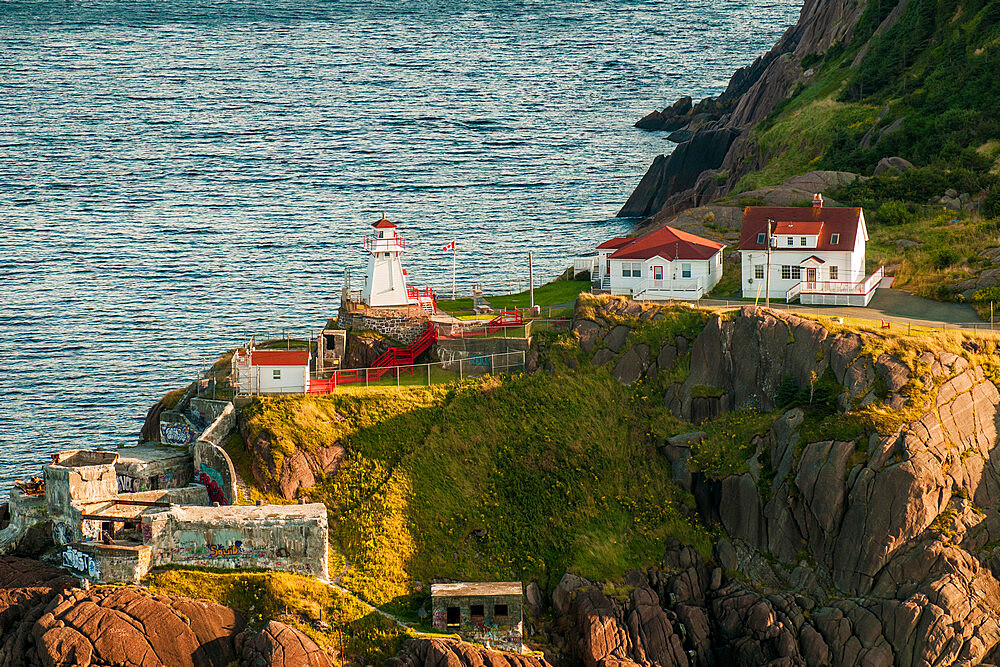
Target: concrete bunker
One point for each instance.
(485, 612)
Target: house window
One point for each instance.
(758, 271)
(499, 610)
(454, 617)
(834, 239)
(802, 241)
(791, 241)
(685, 270)
(276, 374)
(833, 272)
(761, 238)
(476, 610)
(386, 254)
(631, 269)
(380, 234)
(796, 273)
(709, 268)
(786, 272)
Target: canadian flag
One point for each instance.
(450, 246)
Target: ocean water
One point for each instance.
(177, 174)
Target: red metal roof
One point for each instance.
(616, 242)
(279, 358)
(668, 243)
(806, 228)
(383, 224)
(833, 219)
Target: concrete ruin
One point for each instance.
(108, 533)
(488, 613)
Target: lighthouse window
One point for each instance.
(386, 254)
(380, 234)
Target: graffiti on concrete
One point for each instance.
(492, 635)
(147, 533)
(178, 434)
(128, 484)
(480, 360)
(62, 533)
(212, 479)
(82, 563)
(439, 621)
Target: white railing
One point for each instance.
(693, 288)
(581, 264)
(836, 286)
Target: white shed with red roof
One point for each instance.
(667, 263)
(271, 371)
(817, 254)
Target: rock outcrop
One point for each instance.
(753, 93)
(279, 644)
(45, 620)
(427, 652)
(873, 542)
(287, 474)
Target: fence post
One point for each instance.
(460, 376)
(366, 377)
(397, 377)
(428, 375)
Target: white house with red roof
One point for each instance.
(666, 263)
(817, 254)
(270, 371)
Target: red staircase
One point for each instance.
(394, 356)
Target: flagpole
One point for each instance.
(453, 251)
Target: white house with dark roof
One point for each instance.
(667, 263)
(817, 254)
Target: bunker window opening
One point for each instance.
(477, 610)
(454, 616)
(499, 610)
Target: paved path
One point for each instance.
(890, 305)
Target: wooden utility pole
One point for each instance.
(767, 274)
(531, 283)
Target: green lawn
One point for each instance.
(550, 294)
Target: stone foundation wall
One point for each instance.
(400, 325)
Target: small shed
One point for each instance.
(484, 612)
(271, 371)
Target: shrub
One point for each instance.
(991, 205)
(944, 258)
(895, 212)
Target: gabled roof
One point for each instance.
(616, 242)
(668, 243)
(383, 224)
(831, 219)
(813, 258)
(279, 357)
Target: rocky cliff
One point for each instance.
(866, 538)
(676, 182)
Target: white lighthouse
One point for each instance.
(385, 284)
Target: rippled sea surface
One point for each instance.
(177, 174)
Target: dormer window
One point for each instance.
(761, 238)
(834, 239)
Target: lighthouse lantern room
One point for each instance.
(385, 284)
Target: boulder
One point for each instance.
(278, 645)
(632, 364)
(616, 338)
(896, 164)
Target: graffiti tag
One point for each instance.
(212, 481)
(180, 434)
(80, 562)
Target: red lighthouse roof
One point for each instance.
(383, 224)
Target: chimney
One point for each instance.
(818, 200)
